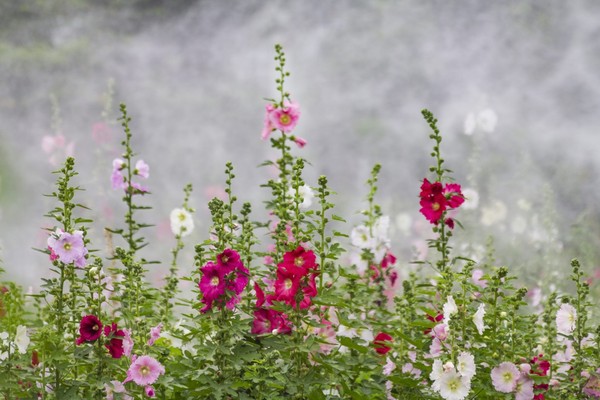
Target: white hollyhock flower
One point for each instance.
(471, 199)
(437, 369)
(453, 386)
(306, 194)
(478, 318)
(566, 318)
(494, 213)
(21, 339)
(504, 377)
(449, 309)
(182, 222)
(487, 120)
(466, 365)
(361, 237)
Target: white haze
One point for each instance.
(194, 80)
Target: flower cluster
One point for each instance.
(437, 198)
(67, 247)
(453, 383)
(119, 181)
(376, 241)
(21, 342)
(223, 282)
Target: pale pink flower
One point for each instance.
(117, 179)
(127, 343)
(435, 350)
(478, 318)
(465, 364)
(142, 169)
(267, 125)
(566, 319)
(476, 278)
(504, 377)
(453, 386)
(112, 388)
(440, 331)
(68, 247)
(154, 334)
(524, 390)
(300, 142)
(144, 371)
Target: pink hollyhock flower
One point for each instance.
(90, 329)
(142, 169)
(440, 331)
(433, 202)
(524, 389)
(476, 278)
(260, 295)
(117, 179)
(149, 391)
(115, 346)
(53, 256)
(154, 334)
(138, 188)
(300, 142)
(592, 387)
(127, 342)
(270, 321)
(267, 126)
(115, 387)
(505, 376)
(286, 118)
(381, 341)
(68, 247)
(144, 371)
(454, 195)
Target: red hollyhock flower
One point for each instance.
(260, 295)
(454, 195)
(90, 329)
(115, 346)
(299, 261)
(433, 202)
(435, 319)
(212, 284)
(380, 343)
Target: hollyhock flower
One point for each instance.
(21, 339)
(380, 343)
(487, 120)
(68, 247)
(267, 125)
(504, 377)
(182, 222)
(592, 387)
(138, 188)
(115, 345)
(453, 386)
(540, 366)
(53, 256)
(305, 193)
(437, 369)
(433, 202)
(566, 319)
(90, 329)
(466, 365)
(453, 195)
(478, 318)
(361, 237)
(286, 118)
(286, 286)
(144, 371)
(440, 331)
(524, 389)
(142, 169)
(229, 260)
(117, 178)
(437, 318)
(300, 142)
(435, 349)
(114, 387)
(270, 321)
(299, 261)
(127, 342)
(154, 334)
(449, 309)
(212, 284)
(149, 391)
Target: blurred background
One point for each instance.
(514, 84)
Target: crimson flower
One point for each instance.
(380, 343)
(90, 329)
(115, 344)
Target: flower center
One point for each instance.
(287, 283)
(225, 259)
(214, 280)
(507, 377)
(453, 385)
(144, 370)
(67, 246)
(299, 261)
(95, 327)
(435, 206)
(181, 217)
(285, 119)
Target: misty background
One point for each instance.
(194, 76)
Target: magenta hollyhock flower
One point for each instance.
(142, 169)
(212, 284)
(286, 286)
(144, 371)
(240, 282)
(433, 202)
(380, 343)
(270, 321)
(454, 195)
(154, 334)
(115, 344)
(90, 329)
(299, 261)
(300, 142)
(286, 118)
(229, 260)
(53, 256)
(149, 391)
(68, 247)
(260, 295)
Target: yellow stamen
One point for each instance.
(288, 284)
(214, 280)
(285, 119)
